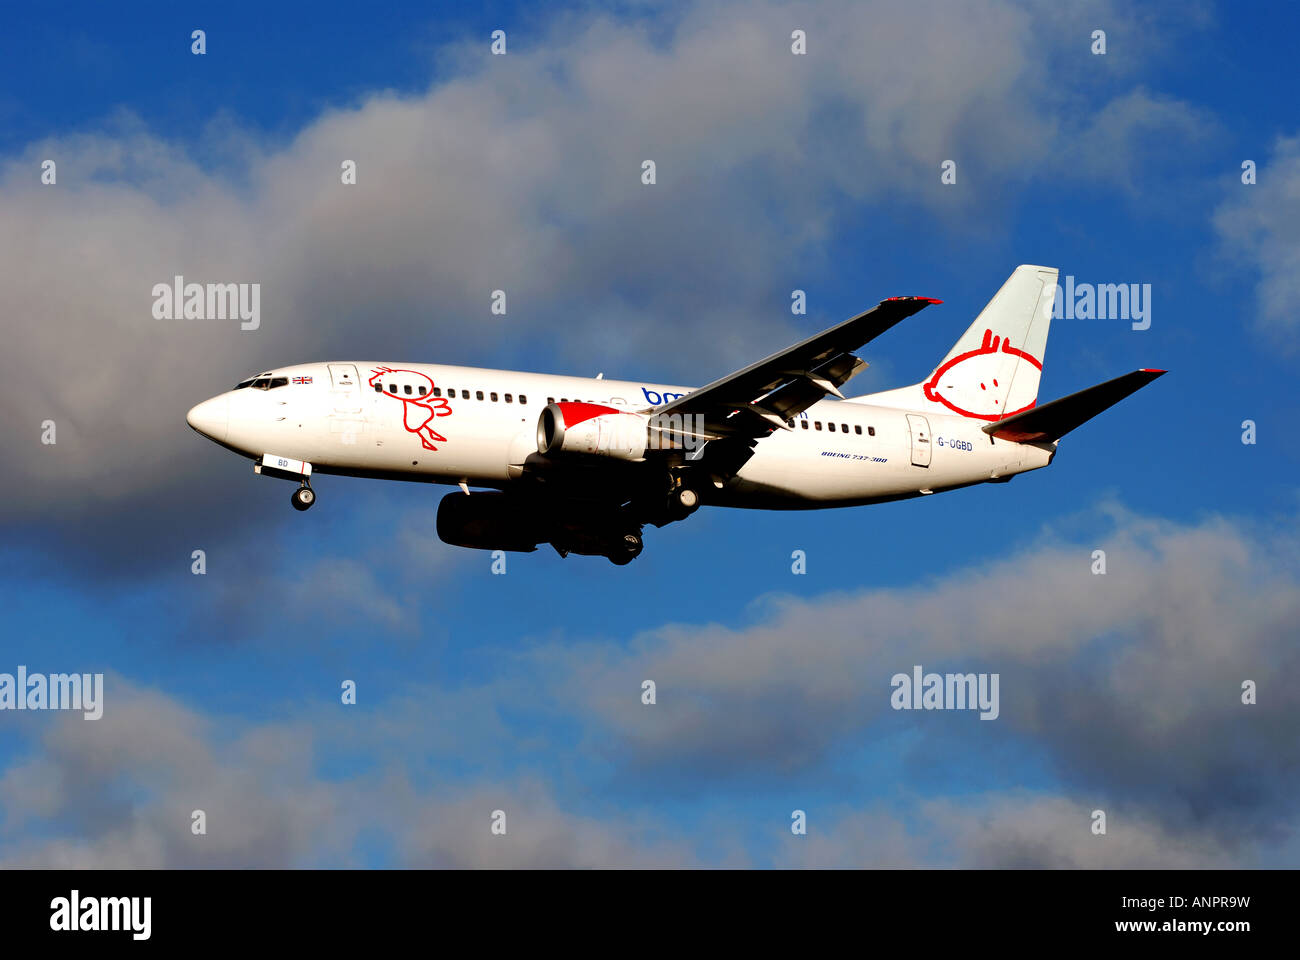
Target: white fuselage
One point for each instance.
(463, 429)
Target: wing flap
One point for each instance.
(759, 399)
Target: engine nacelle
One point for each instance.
(487, 521)
(576, 427)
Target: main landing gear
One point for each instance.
(625, 549)
(683, 499)
(303, 497)
(683, 502)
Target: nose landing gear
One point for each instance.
(286, 468)
(303, 497)
(625, 549)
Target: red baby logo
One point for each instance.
(962, 372)
(419, 407)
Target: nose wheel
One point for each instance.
(303, 497)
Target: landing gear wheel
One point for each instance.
(303, 498)
(682, 502)
(626, 549)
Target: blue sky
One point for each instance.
(521, 691)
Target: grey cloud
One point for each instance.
(540, 834)
(118, 793)
(1015, 829)
(1127, 686)
(1131, 682)
(122, 789)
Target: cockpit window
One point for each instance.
(278, 382)
(262, 383)
(244, 383)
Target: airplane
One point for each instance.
(584, 464)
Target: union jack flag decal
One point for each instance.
(302, 379)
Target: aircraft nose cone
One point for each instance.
(211, 417)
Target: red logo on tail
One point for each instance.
(989, 347)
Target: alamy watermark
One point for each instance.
(75, 913)
(1103, 301)
(58, 691)
(179, 300)
(946, 691)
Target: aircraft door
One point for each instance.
(345, 388)
(348, 419)
(919, 428)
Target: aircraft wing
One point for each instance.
(753, 402)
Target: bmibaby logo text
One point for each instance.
(102, 914)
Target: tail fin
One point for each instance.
(993, 370)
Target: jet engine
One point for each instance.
(575, 427)
(487, 521)
(491, 520)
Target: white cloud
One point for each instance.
(1260, 226)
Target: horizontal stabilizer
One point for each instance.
(1054, 420)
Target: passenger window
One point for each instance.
(844, 428)
(406, 388)
(830, 427)
(392, 388)
(522, 398)
(379, 388)
(478, 394)
(818, 424)
(464, 394)
(857, 428)
(493, 396)
(437, 391)
(805, 424)
(550, 399)
(422, 390)
(790, 424)
(871, 431)
(509, 398)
